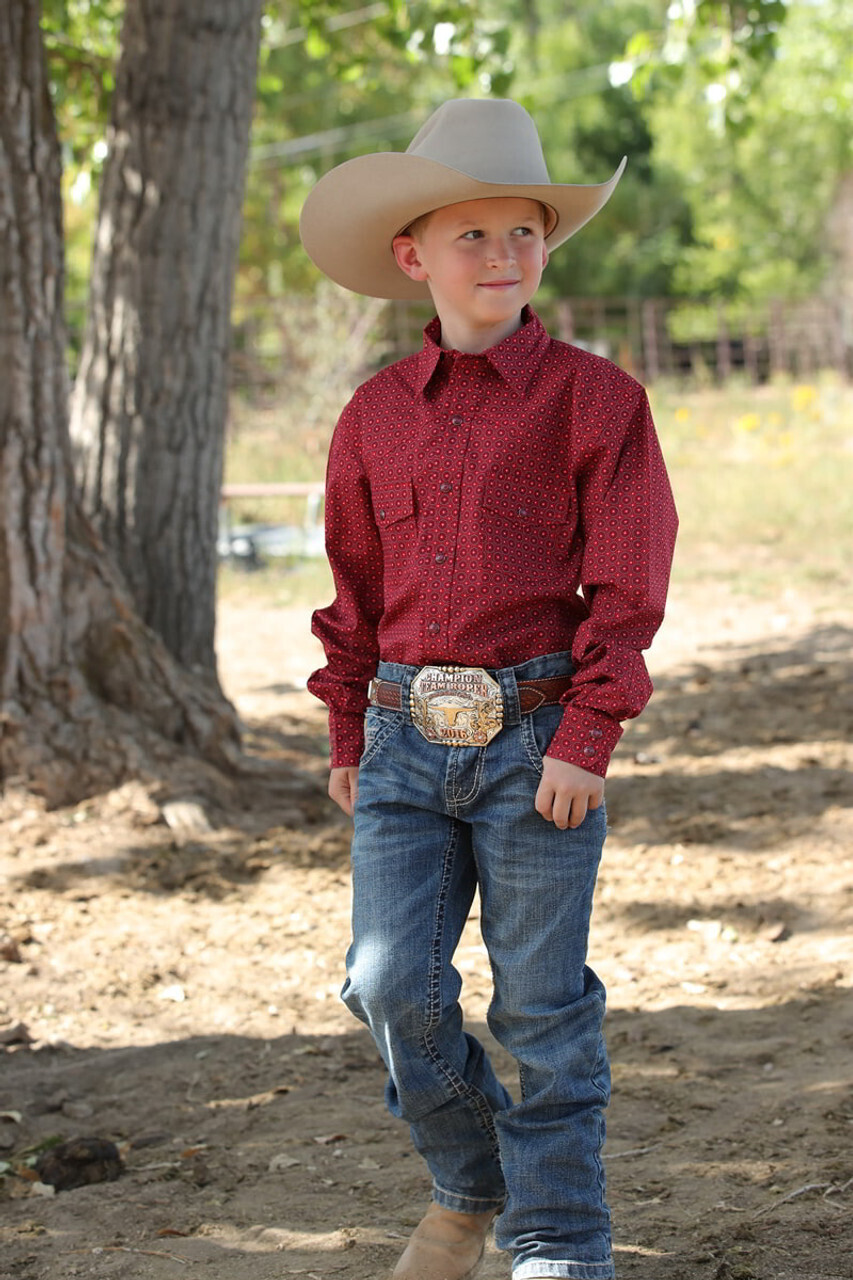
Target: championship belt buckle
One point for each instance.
(457, 706)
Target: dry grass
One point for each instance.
(762, 477)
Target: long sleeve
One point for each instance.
(485, 509)
(629, 523)
(347, 629)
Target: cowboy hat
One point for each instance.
(469, 149)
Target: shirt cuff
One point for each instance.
(585, 738)
(346, 738)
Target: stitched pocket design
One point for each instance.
(393, 501)
(380, 725)
(537, 730)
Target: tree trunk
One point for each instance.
(33, 383)
(149, 405)
(88, 693)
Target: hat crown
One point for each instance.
(491, 140)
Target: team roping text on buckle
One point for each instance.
(458, 706)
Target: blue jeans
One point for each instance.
(432, 824)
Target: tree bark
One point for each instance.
(150, 400)
(88, 693)
(33, 382)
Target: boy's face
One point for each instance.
(482, 260)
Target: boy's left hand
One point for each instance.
(566, 792)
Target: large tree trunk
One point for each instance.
(149, 405)
(88, 693)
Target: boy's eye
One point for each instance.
(471, 235)
(523, 231)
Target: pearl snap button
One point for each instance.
(434, 628)
(589, 751)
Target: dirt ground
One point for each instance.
(170, 974)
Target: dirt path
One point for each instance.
(176, 990)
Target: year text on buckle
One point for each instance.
(457, 706)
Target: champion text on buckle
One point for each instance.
(456, 706)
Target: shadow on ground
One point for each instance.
(728, 1148)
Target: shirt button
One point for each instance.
(440, 558)
(596, 733)
(456, 421)
(434, 628)
(381, 515)
(589, 751)
(445, 487)
(522, 511)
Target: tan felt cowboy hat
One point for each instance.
(469, 149)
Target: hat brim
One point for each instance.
(353, 213)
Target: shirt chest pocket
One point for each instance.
(526, 503)
(393, 502)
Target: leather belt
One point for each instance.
(532, 694)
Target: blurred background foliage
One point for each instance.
(736, 118)
(737, 203)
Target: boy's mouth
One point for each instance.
(498, 284)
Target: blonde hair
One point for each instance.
(419, 225)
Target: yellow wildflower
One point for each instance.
(803, 397)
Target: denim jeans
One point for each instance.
(432, 824)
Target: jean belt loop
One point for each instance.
(408, 676)
(509, 687)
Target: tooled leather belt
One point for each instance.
(532, 694)
(461, 706)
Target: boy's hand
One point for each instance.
(343, 787)
(566, 792)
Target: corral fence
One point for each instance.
(655, 337)
(649, 337)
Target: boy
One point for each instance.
(473, 490)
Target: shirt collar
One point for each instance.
(515, 359)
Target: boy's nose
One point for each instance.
(500, 252)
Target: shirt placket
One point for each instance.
(453, 416)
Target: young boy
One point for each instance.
(500, 527)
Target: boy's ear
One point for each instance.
(544, 256)
(408, 259)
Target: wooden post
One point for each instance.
(724, 349)
(651, 363)
(565, 321)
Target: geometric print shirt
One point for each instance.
(485, 509)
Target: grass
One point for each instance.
(282, 586)
(762, 478)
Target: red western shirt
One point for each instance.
(486, 509)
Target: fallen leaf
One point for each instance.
(282, 1162)
(175, 992)
(9, 950)
(186, 817)
(17, 1034)
(327, 1139)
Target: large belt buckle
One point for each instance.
(458, 706)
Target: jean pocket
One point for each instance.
(380, 725)
(537, 730)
